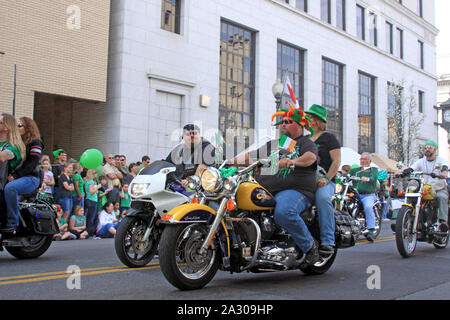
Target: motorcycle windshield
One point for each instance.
(156, 167)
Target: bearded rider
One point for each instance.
(295, 183)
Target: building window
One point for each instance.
(366, 113)
(340, 14)
(290, 63)
(325, 10)
(302, 5)
(360, 23)
(170, 15)
(420, 8)
(332, 95)
(399, 43)
(237, 85)
(420, 101)
(420, 54)
(373, 32)
(389, 38)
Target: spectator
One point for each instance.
(91, 188)
(78, 183)
(132, 169)
(48, 181)
(145, 162)
(114, 194)
(57, 168)
(63, 234)
(77, 223)
(116, 210)
(102, 193)
(107, 222)
(125, 201)
(65, 190)
(110, 170)
(122, 165)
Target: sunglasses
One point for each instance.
(287, 121)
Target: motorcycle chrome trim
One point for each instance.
(220, 213)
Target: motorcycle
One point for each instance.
(154, 192)
(37, 225)
(417, 218)
(346, 199)
(240, 235)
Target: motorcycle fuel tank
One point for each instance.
(252, 196)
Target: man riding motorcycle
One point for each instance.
(295, 183)
(428, 164)
(367, 187)
(194, 153)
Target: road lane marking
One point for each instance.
(63, 274)
(384, 239)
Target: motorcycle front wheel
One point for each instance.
(405, 236)
(38, 246)
(181, 263)
(129, 244)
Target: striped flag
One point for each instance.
(286, 144)
(289, 90)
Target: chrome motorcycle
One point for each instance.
(237, 235)
(417, 219)
(346, 199)
(154, 192)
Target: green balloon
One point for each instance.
(91, 158)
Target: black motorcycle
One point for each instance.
(37, 225)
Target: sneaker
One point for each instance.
(443, 227)
(370, 237)
(326, 250)
(312, 256)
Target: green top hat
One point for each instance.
(318, 111)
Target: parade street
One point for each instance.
(90, 269)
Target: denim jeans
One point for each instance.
(104, 231)
(368, 200)
(75, 202)
(325, 211)
(90, 208)
(22, 185)
(385, 206)
(290, 204)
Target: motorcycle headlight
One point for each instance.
(211, 180)
(230, 184)
(194, 182)
(139, 189)
(413, 186)
(339, 188)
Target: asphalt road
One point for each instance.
(364, 272)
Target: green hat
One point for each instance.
(318, 111)
(57, 152)
(431, 143)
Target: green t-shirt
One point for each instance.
(14, 162)
(79, 221)
(77, 177)
(365, 187)
(92, 197)
(126, 201)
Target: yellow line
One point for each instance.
(63, 274)
(385, 239)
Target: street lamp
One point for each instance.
(277, 91)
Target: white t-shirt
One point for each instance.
(430, 167)
(104, 218)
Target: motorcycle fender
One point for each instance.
(411, 206)
(199, 213)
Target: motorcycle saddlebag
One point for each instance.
(346, 231)
(43, 221)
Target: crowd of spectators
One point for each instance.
(90, 202)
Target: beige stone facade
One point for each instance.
(59, 47)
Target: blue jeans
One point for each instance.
(22, 185)
(290, 204)
(368, 200)
(66, 204)
(104, 231)
(325, 211)
(75, 202)
(385, 206)
(90, 208)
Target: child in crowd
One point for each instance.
(125, 201)
(102, 193)
(63, 234)
(116, 210)
(49, 180)
(77, 223)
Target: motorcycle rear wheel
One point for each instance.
(39, 244)
(319, 267)
(179, 257)
(131, 250)
(405, 236)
